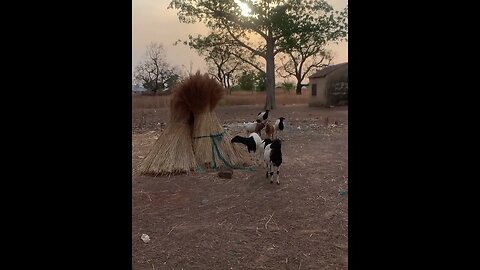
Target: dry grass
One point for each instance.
(187, 140)
(202, 94)
(236, 98)
(150, 102)
(204, 126)
(172, 153)
(207, 124)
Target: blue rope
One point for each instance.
(219, 137)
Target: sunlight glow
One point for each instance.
(244, 7)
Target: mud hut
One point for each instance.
(329, 86)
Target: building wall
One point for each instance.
(321, 98)
(329, 81)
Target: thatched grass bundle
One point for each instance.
(211, 143)
(172, 153)
(194, 136)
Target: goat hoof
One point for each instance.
(271, 182)
(278, 183)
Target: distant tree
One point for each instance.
(288, 86)
(174, 78)
(224, 67)
(301, 64)
(153, 72)
(260, 81)
(223, 63)
(247, 81)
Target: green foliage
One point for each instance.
(252, 81)
(288, 86)
(247, 81)
(260, 82)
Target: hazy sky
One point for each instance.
(153, 22)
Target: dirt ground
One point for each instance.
(201, 221)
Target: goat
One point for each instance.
(254, 127)
(253, 141)
(269, 130)
(279, 126)
(266, 142)
(262, 116)
(273, 156)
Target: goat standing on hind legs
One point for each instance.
(273, 156)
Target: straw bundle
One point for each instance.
(211, 143)
(194, 135)
(172, 153)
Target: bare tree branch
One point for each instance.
(248, 62)
(154, 72)
(254, 51)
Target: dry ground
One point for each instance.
(200, 221)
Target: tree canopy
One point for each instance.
(253, 30)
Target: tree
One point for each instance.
(288, 86)
(247, 81)
(305, 50)
(263, 33)
(300, 64)
(222, 65)
(154, 73)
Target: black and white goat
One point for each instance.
(273, 156)
(253, 143)
(266, 142)
(279, 126)
(262, 116)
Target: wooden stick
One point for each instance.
(174, 228)
(266, 224)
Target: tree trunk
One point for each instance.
(270, 102)
(229, 90)
(299, 88)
